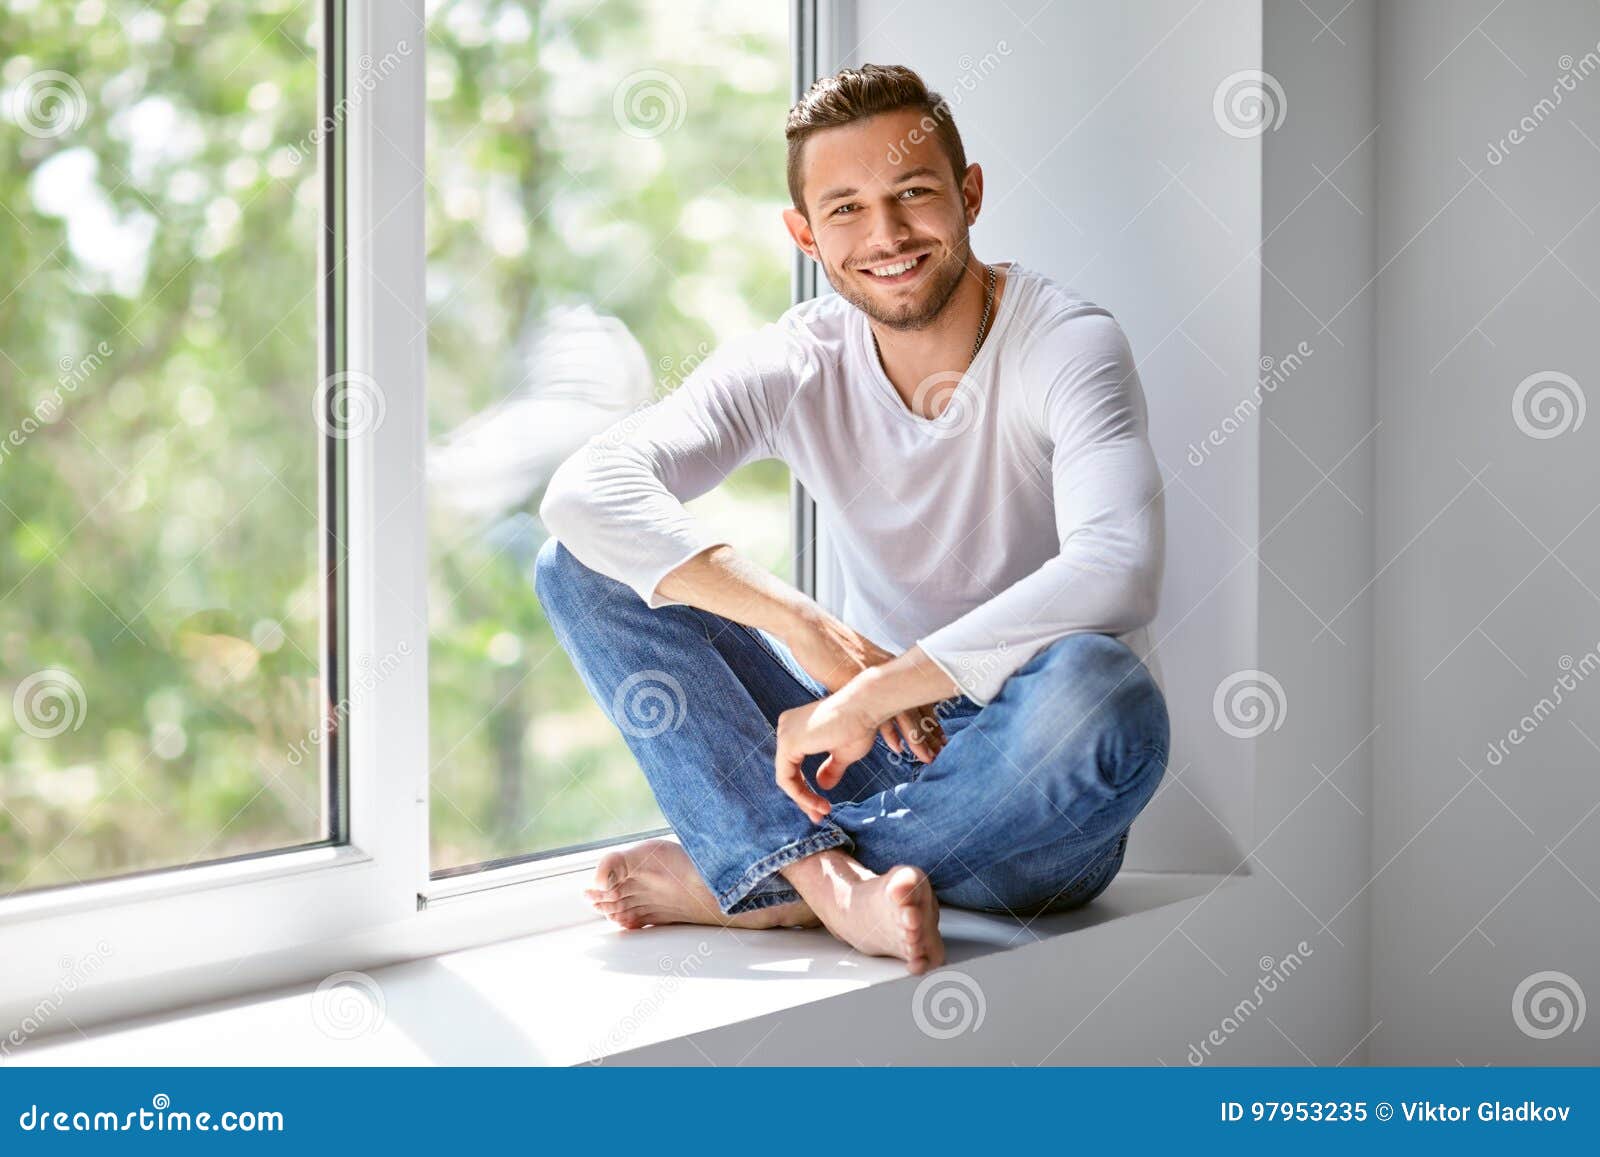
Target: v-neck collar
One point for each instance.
(966, 381)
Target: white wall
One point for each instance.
(1490, 275)
(1315, 441)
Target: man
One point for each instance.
(972, 723)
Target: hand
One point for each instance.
(837, 725)
(833, 653)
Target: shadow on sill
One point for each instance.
(784, 954)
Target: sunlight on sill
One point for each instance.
(569, 996)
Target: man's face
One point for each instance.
(891, 234)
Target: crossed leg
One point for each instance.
(1025, 810)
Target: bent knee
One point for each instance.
(1111, 705)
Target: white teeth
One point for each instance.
(893, 270)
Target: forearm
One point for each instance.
(909, 681)
(722, 582)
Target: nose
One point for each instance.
(891, 227)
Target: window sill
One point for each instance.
(576, 994)
(141, 887)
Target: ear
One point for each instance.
(972, 192)
(800, 230)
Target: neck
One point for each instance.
(911, 357)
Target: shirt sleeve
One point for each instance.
(617, 502)
(1108, 509)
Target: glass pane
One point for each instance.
(605, 188)
(159, 586)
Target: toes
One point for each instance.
(904, 882)
(627, 917)
(611, 871)
(917, 918)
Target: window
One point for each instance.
(161, 599)
(603, 198)
(219, 630)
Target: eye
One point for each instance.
(914, 191)
(843, 210)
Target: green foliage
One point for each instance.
(159, 578)
(678, 234)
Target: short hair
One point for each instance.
(853, 94)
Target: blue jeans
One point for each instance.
(1026, 809)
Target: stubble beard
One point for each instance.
(943, 282)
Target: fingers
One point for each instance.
(793, 782)
(915, 743)
(891, 736)
(831, 772)
(923, 734)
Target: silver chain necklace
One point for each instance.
(988, 308)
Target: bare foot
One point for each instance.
(894, 914)
(655, 882)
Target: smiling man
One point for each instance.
(973, 722)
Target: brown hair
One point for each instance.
(853, 94)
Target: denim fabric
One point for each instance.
(1026, 810)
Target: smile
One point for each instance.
(894, 272)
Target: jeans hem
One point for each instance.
(738, 898)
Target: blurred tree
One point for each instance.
(159, 588)
(159, 213)
(625, 160)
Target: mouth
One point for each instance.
(897, 272)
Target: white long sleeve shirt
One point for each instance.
(1030, 509)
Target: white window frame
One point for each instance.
(174, 936)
